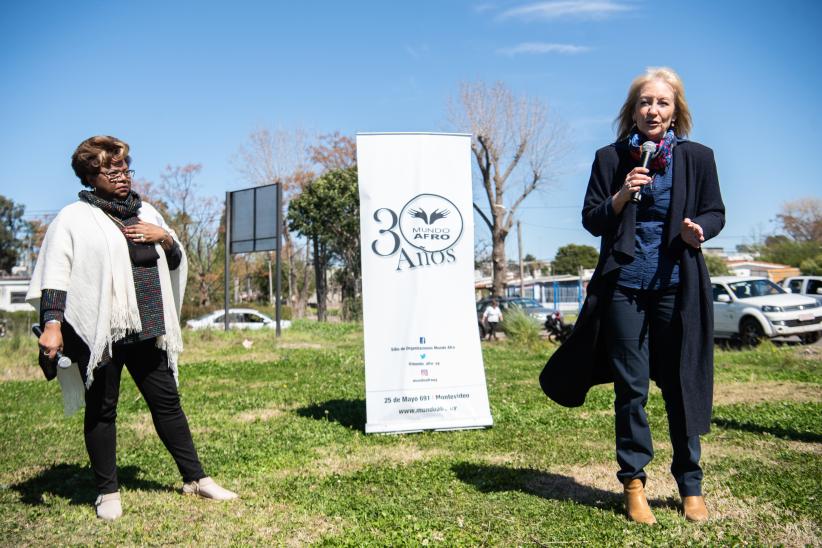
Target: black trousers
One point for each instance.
(148, 366)
(644, 334)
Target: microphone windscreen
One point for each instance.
(649, 147)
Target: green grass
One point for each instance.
(282, 424)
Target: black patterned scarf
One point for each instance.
(124, 213)
(122, 209)
(143, 263)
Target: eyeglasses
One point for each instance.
(117, 175)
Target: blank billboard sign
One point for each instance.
(254, 222)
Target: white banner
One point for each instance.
(423, 362)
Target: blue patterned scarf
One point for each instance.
(664, 149)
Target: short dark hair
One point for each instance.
(96, 152)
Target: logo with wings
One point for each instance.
(431, 222)
(435, 216)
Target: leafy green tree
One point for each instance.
(570, 258)
(327, 212)
(800, 243)
(783, 250)
(812, 267)
(11, 226)
(716, 266)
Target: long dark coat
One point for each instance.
(581, 362)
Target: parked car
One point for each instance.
(751, 309)
(238, 318)
(805, 285)
(529, 306)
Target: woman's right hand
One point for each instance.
(634, 181)
(51, 341)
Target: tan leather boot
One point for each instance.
(636, 505)
(694, 508)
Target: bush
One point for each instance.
(325, 329)
(19, 323)
(521, 328)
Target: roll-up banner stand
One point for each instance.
(423, 362)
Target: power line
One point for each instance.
(575, 229)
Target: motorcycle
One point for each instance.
(558, 331)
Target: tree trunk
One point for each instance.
(202, 287)
(500, 263)
(319, 276)
(288, 253)
(302, 295)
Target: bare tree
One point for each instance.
(517, 144)
(280, 157)
(334, 152)
(802, 219)
(196, 220)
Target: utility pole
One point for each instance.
(521, 267)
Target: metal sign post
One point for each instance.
(227, 257)
(279, 250)
(253, 223)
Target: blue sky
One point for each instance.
(186, 81)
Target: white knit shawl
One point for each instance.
(85, 254)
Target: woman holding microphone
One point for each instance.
(108, 282)
(648, 313)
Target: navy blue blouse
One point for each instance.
(652, 268)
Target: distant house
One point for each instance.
(13, 291)
(772, 271)
(563, 292)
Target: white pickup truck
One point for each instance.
(805, 285)
(751, 309)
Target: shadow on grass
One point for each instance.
(75, 483)
(348, 413)
(778, 431)
(489, 478)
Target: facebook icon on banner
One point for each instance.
(422, 340)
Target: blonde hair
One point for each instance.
(682, 114)
(96, 152)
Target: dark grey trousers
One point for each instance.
(643, 333)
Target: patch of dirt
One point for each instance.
(769, 391)
(298, 345)
(813, 352)
(511, 459)
(763, 450)
(602, 477)
(142, 425)
(265, 414)
(313, 528)
(343, 461)
(803, 446)
(21, 372)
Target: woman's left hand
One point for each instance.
(692, 233)
(146, 233)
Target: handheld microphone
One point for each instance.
(648, 150)
(62, 361)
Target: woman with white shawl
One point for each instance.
(108, 282)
